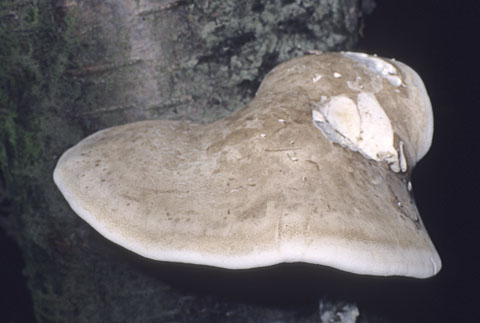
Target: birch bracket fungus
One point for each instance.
(314, 169)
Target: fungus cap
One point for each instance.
(314, 169)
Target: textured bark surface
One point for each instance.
(94, 64)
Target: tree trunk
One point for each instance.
(75, 66)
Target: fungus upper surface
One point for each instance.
(314, 169)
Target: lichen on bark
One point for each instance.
(35, 52)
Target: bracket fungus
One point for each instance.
(314, 169)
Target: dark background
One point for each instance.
(439, 40)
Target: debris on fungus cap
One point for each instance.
(314, 169)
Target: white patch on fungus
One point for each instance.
(356, 85)
(316, 78)
(337, 75)
(376, 140)
(339, 120)
(379, 65)
(362, 126)
(292, 158)
(317, 118)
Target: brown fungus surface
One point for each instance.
(282, 180)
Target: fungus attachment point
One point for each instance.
(265, 185)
